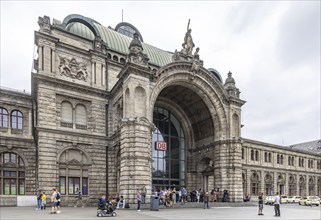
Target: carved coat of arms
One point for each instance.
(73, 69)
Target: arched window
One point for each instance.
(66, 114)
(252, 154)
(257, 155)
(3, 118)
(122, 60)
(242, 153)
(81, 117)
(12, 174)
(115, 58)
(16, 119)
(270, 157)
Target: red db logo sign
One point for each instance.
(161, 145)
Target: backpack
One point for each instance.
(58, 196)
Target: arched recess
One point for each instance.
(244, 184)
(311, 186)
(74, 166)
(268, 181)
(292, 185)
(127, 100)
(302, 186)
(235, 126)
(211, 94)
(255, 183)
(280, 184)
(140, 101)
(319, 186)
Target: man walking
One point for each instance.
(79, 199)
(206, 199)
(261, 204)
(139, 200)
(277, 205)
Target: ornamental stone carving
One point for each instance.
(100, 45)
(44, 23)
(136, 54)
(73, 69)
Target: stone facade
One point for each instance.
(90, 122)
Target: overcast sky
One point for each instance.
(272, 49)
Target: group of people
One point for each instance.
(277, 202)
(55, 199)
(41, 200)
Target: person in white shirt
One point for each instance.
(277, 200)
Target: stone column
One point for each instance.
(135, 157)
(262, 183)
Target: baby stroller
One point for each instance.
(106, 211)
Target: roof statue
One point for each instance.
(44, 23)
(186, 52)
(188, 44)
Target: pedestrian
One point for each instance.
(206, 199)
(184, 195)
(139, 200)
(179, 195)
(53, 200)
(79, 199)
(58, 197)
(260, 204)
(277, 205)
(43, 201)
(174, 195)
(144, 191)
(39, 201)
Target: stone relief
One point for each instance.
(44, 23)
(73, 69)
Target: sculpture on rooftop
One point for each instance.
(44, 23)
(188, 44)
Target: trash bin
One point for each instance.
(154, 203)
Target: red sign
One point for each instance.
(159, 145)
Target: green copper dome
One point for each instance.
(88, 28)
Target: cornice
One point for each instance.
(73, 133)
(71, 86)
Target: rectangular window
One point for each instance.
(21, 186)
(73, 185)
(6, 186)
(62, 185)
(85, 186)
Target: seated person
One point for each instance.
(121, 202)
(102, 203)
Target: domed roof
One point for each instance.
(230, 79)
(216, 74)
(89, 28)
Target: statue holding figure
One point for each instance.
(188, 44)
